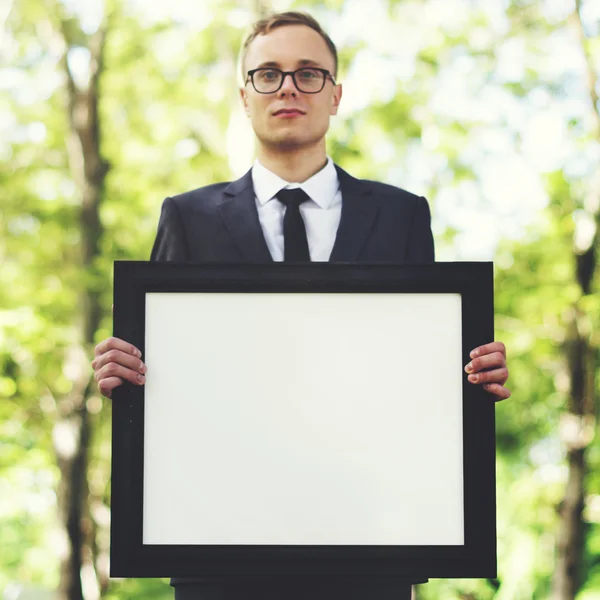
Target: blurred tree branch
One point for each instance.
(89, 169)
(5, 8)
(582, 357)
(592, 77)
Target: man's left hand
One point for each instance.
(488, 367)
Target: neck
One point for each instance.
(295, 165)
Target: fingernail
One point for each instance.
(141, 378)
(138, 353)
(143, 368)
(473, 378)
(469, 367)
(474, 353)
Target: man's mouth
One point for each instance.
(288, 112)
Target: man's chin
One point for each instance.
(289, 142)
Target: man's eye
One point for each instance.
(268, 75)
(308, 74)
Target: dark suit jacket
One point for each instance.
(219, 223)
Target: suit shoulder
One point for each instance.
(386, 191)
(389, 190)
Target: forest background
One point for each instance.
(489, 108)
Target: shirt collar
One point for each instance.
(321, 187)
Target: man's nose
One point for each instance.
(288, 86)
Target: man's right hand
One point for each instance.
(117, 361)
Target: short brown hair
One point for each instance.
(271, 22)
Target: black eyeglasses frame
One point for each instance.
(326, 75)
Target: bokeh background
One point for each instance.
(489, 108)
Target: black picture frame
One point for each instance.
(475, 558)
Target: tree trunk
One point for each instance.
(578, 424)
(73, 430)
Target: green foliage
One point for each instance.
(168, 101)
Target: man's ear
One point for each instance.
(336, 98)
(244, 97)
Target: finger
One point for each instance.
(498, 391)
(496, 376)
(488, 349)
(116, 370)
(106, 386)
(119, 357)
(496, 359)
(118, 344)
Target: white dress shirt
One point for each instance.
(321, 214)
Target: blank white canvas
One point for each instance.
(276, 418)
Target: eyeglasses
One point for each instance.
(307, 80)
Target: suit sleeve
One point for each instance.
(420, 243)
(170, 243)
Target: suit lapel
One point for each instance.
(238, 211)
(359, 211)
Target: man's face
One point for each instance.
(288, 48)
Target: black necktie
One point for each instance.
(295, 244)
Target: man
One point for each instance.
(293, 205)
